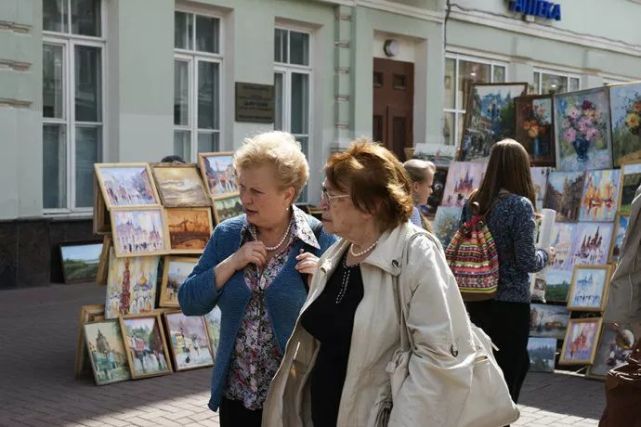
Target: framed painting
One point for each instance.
(589, 288)
(103, 262)
(540, 182)
(625, 110)
(212, 320)
(88, 313)
(547, 320)
(175, 272)
(592, 243)
(188, 341)
(107, 352)
(620, 228)
(446, 222)
(131, 285)
(582, 130)
(600, 198)
(563, 194)
(217, 170)
(615, 344)
(180, 185)
(462, 179)
(227, 207)
(542, 352)
(101, 220)
(490, 117)
(138, 232)
(581, 338)
(631, 182)
(557, 285)
(80, 261)
(189, 229)
(535, 128)
(562, 239)
(126, 184)
(145, 344)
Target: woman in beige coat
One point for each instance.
(333, 372)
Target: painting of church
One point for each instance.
(462, 179)
(592, 243)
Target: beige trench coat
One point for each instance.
(439, 381)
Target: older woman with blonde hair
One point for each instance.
(256, 268)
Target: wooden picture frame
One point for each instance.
(80, 261)
(137, 189)
(189, 229)
(103, 265)
(629, 185)
(101, 220)
(581, 339)
(188, 341)
(534, 128)
(180, 185)
(107, 352)
(218, 183)
(581, 296)
(227, 207)
(151, 350)
(88, 313)
(174, 273)
(151, 240)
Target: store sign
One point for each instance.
(540, 8)
(254, 103)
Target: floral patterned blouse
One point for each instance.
(256, 354)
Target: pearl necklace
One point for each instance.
(361, 253)
(282, 240)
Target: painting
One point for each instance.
(581, 338)
(106, 352)
(589, 288)
(131, 285)
(592, 243)
(189, 229)
(228, 207)
(462, 179)
(218, 172)
(103, 261)
(212, 320)
(139, 232)
(620, 228)
(180, 185)
(534, 128)
(80, 261)
(101, 221)
(88, 313)
(625, 110)
(615, 344)
(582, 130)
(563, 194)
(446, 223)
(146, 346)
(631, 182)
(126, 184)
(490, 117)
(188, 341)
(540, 182)
(557, 285)
(600, 198)
(175, 272)
(542, 352)
(548, 320)
(562, 239)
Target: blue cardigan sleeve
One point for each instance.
(526, 256)
(325, 240)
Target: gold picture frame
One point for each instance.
(173, 277)
(146, 351)
(189, 229)
(220, 180)
(592, 293)
(580, 349)
(151, 237)
(180, 185)
(127, 185)
(88, 313)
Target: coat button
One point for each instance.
(453, 350)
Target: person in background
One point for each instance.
(421, 172)
(172, 159)
(256, 268)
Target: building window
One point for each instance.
(292, 84)
(546, 82)
(197, 76)
(460, 73)
(72, 101)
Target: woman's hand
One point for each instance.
(307, 262)
(253, 252)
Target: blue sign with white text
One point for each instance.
(540, 8)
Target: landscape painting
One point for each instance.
(589, 287)
(218, 172)
(490, 117)
(600, 198)
(188, 341)
(615, 344)
(80, 261)
(547, 320)
(620, 228)
(581, 338)
(540, 182)
(106, 352)
(180, 185)
(625, 108)
(542, 352)
(592, 242)
(446, 222)
(212, 320)
(562, 239)
(189, 229)
(557, 285)
(138, 232)
(534, 128)
(126, 184)
(582, 130)
(631, 182)
(228, 207)
(175, 272)
(462, 179)
(563, 194)
(145, 344)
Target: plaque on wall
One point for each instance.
(254, 103)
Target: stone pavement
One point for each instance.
(38, 332)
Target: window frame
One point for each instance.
(552, 72)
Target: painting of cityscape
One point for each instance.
(582, 130)
(563, 194)
(490, 117)
(446, 222)
(562, 239)
(218, 173)
(600, 197)
(581, 338)
(126, 184)
(80, 261)
(547, 320)
(625, 108)
(540, 182)
(145, 344)
(188, 341)
(589, 287)
(106, 352)
(138, 232)
(180, 185)
(175, 272)
(620, 228)
(542, 352)
(557, 285)
(212, 320)
(592, 243)
(615, 344)
(631, 182)
(462, 179)
(534, 129)
(189, 229)
(228, 207)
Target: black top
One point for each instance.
(331, 323)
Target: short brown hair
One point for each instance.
(375, 179)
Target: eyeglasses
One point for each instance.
(326, 197)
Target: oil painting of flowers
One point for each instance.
(625, 107)
(534, 128)
(582, 128)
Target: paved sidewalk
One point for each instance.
(38, 331)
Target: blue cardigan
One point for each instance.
(284, 297)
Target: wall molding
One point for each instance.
(14, 103)
(14, 26)
(393, 7)
(15, 65)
